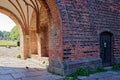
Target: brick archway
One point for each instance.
(47, 42)
(22, 31)
(41, 28)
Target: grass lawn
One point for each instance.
(8, 43)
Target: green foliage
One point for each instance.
(14, 34)
(52, 72)
(101, 69)
(116, 67)
(1, 35)
(91, 71)
(4, 35)
(81, 71)
(73, 75)
(84, 72)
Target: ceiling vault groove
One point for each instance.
(16, 9)
(27, 15)
(25, 10)
(26, 23)
(21, 14)
(35, 6)
(29, 4)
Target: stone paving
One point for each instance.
(12, 68)
(109, 75)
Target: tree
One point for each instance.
(6, 35)
(1, 35)
(14, 34)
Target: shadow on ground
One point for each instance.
(24, 72)
(12, 68)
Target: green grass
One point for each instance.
(8, 43)
(83, 72)
(101, 69)
(116, 67)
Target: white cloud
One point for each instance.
(6, 24)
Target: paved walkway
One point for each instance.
(12, 68)
(109, 75)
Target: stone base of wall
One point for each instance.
(117, 60)
(67, 67)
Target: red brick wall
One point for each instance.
(54, 30)
(33, 42)
(83, 21)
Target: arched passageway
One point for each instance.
(40, 28)
(64, 31)
(20, 27)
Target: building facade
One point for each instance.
(71, 33)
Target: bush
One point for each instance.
(116, 67)
(81, 71)
(101, 69)
(73, 75)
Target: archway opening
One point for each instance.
(39, 47)
(9, 37)
(39, 33)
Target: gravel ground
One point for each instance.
(11, 52)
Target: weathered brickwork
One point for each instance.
(54, 32)
(83, 21)
(67, 31)
(78, 39)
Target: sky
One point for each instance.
(6, 24)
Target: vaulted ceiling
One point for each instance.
(22, 9)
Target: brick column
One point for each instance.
(33, 42)
(24, 47)
(39, 44)
(42, 38)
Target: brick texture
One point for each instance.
(83, 21)
(69, 32)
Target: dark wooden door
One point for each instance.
(106, 48)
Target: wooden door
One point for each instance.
(106, 48)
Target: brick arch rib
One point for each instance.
(13, 17)
(22, 15)
(35, 6)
